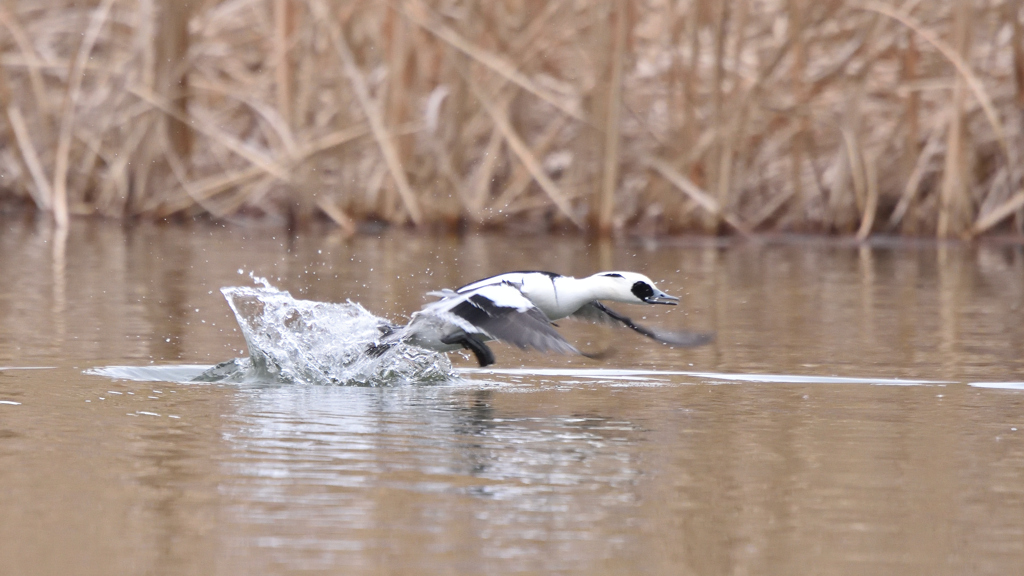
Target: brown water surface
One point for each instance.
(860, 412)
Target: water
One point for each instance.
(861, 411)
(292, 341)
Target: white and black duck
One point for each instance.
(519, 308)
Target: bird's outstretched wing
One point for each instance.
(501, 312)
(601, 314)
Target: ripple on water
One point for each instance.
(655, 377)
(998, 385)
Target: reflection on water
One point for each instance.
(861, 412)
(461, 472)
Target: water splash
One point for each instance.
(292, 340)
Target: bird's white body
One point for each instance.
(562, 296)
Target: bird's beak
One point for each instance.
(662, 298)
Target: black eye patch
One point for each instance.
(642, 290)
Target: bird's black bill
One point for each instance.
(662, 298)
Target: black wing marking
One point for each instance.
(528, 328)
(544, 272)
(496, 279)
(599, 313)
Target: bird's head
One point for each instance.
(631, 288)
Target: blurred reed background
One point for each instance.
(660, 116)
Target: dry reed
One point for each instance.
(836, 116)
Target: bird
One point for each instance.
(520, 308)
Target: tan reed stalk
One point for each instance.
(521, 177)
(337, 215)
(871, 202)
(113, 195)
(735, 121)
(702, 198)
(913, 182)
(206, 188)
(480, 180)
(768, 210)
(180, 172)
(172, 73)
(1010, 175)
(205, 123)
(796, 10)
(416, 11)
(911, 150)
(523, 153)
(954, 56)
(74, 89)
(718, 180)
(1013, 11)
(370, 108)
(613, 120)
(40, 94)
(1012, 14)
(42, 194)
(691, 76)
(954, 204)
(1005, 210)
(397, 89)
(284, 23)
(855, 160)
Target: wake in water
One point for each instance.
(304, 341)
(292, 340)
